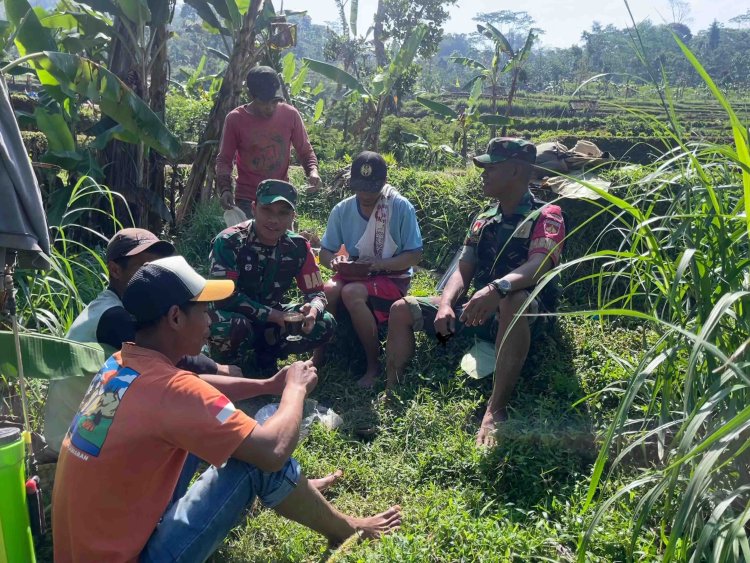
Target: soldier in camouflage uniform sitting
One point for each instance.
(509, 247)
(262, 256)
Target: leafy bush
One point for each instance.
(194, 241)
(683, 262)
(187, 117)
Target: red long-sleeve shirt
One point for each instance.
(261, 147)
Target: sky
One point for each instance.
(563, 22)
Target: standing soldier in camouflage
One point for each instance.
(262, 256)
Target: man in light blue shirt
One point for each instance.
(378, 227)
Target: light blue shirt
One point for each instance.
(346, 225)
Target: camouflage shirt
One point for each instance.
(263, 274)
(498, 244)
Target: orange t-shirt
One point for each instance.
(122, 456)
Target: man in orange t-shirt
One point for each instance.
(117, 494)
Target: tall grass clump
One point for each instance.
(50, 301)
(678, 442)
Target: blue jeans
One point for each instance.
(199, 518)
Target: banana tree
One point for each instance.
(376, 95)
(494, 71)
(468, 117)
(243, 56)
(69, 79)
(301, 94)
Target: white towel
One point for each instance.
(376, 241)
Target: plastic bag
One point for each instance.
(479, 362)
(234, 216)
(311, 412)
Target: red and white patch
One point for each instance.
(222, 408)
(477, 226)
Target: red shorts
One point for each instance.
(382, 291)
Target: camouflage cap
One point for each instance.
(501, 149)
(271, 191)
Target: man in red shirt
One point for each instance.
(258, 138)
(118, 493)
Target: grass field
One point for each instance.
(518, 502)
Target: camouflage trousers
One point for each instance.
(236, 339)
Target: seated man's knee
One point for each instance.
(406, 313)
(353, 294)
(332, 290)
(272, 488)
(512, 304)
(400, 314)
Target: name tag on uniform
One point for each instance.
(524, 231)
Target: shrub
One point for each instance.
(187, 117)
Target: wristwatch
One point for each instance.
(502, 286)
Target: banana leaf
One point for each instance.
(50, 357)
(222, 56)
(76, 75)
(160, 12)
(107, 6)
(136, 11)
(31, 37)
(299, 82)
(468, 63)
(437, 107)
(55, 128)
(233, 12)
(318, 110)
(207, 14)
(336, 74)
(288, 65)
(522, 55)
(494, 35)
(401, 61)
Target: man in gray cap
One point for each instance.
(510, 245)
(257, 138)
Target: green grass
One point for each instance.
(628, 435)
(519, 502)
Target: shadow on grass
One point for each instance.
(544, 449)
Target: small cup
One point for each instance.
(293, 322)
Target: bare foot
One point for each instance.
(491, 422)
(325, 483)
(370, 378)
(378, 525)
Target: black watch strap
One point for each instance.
(501, 288)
